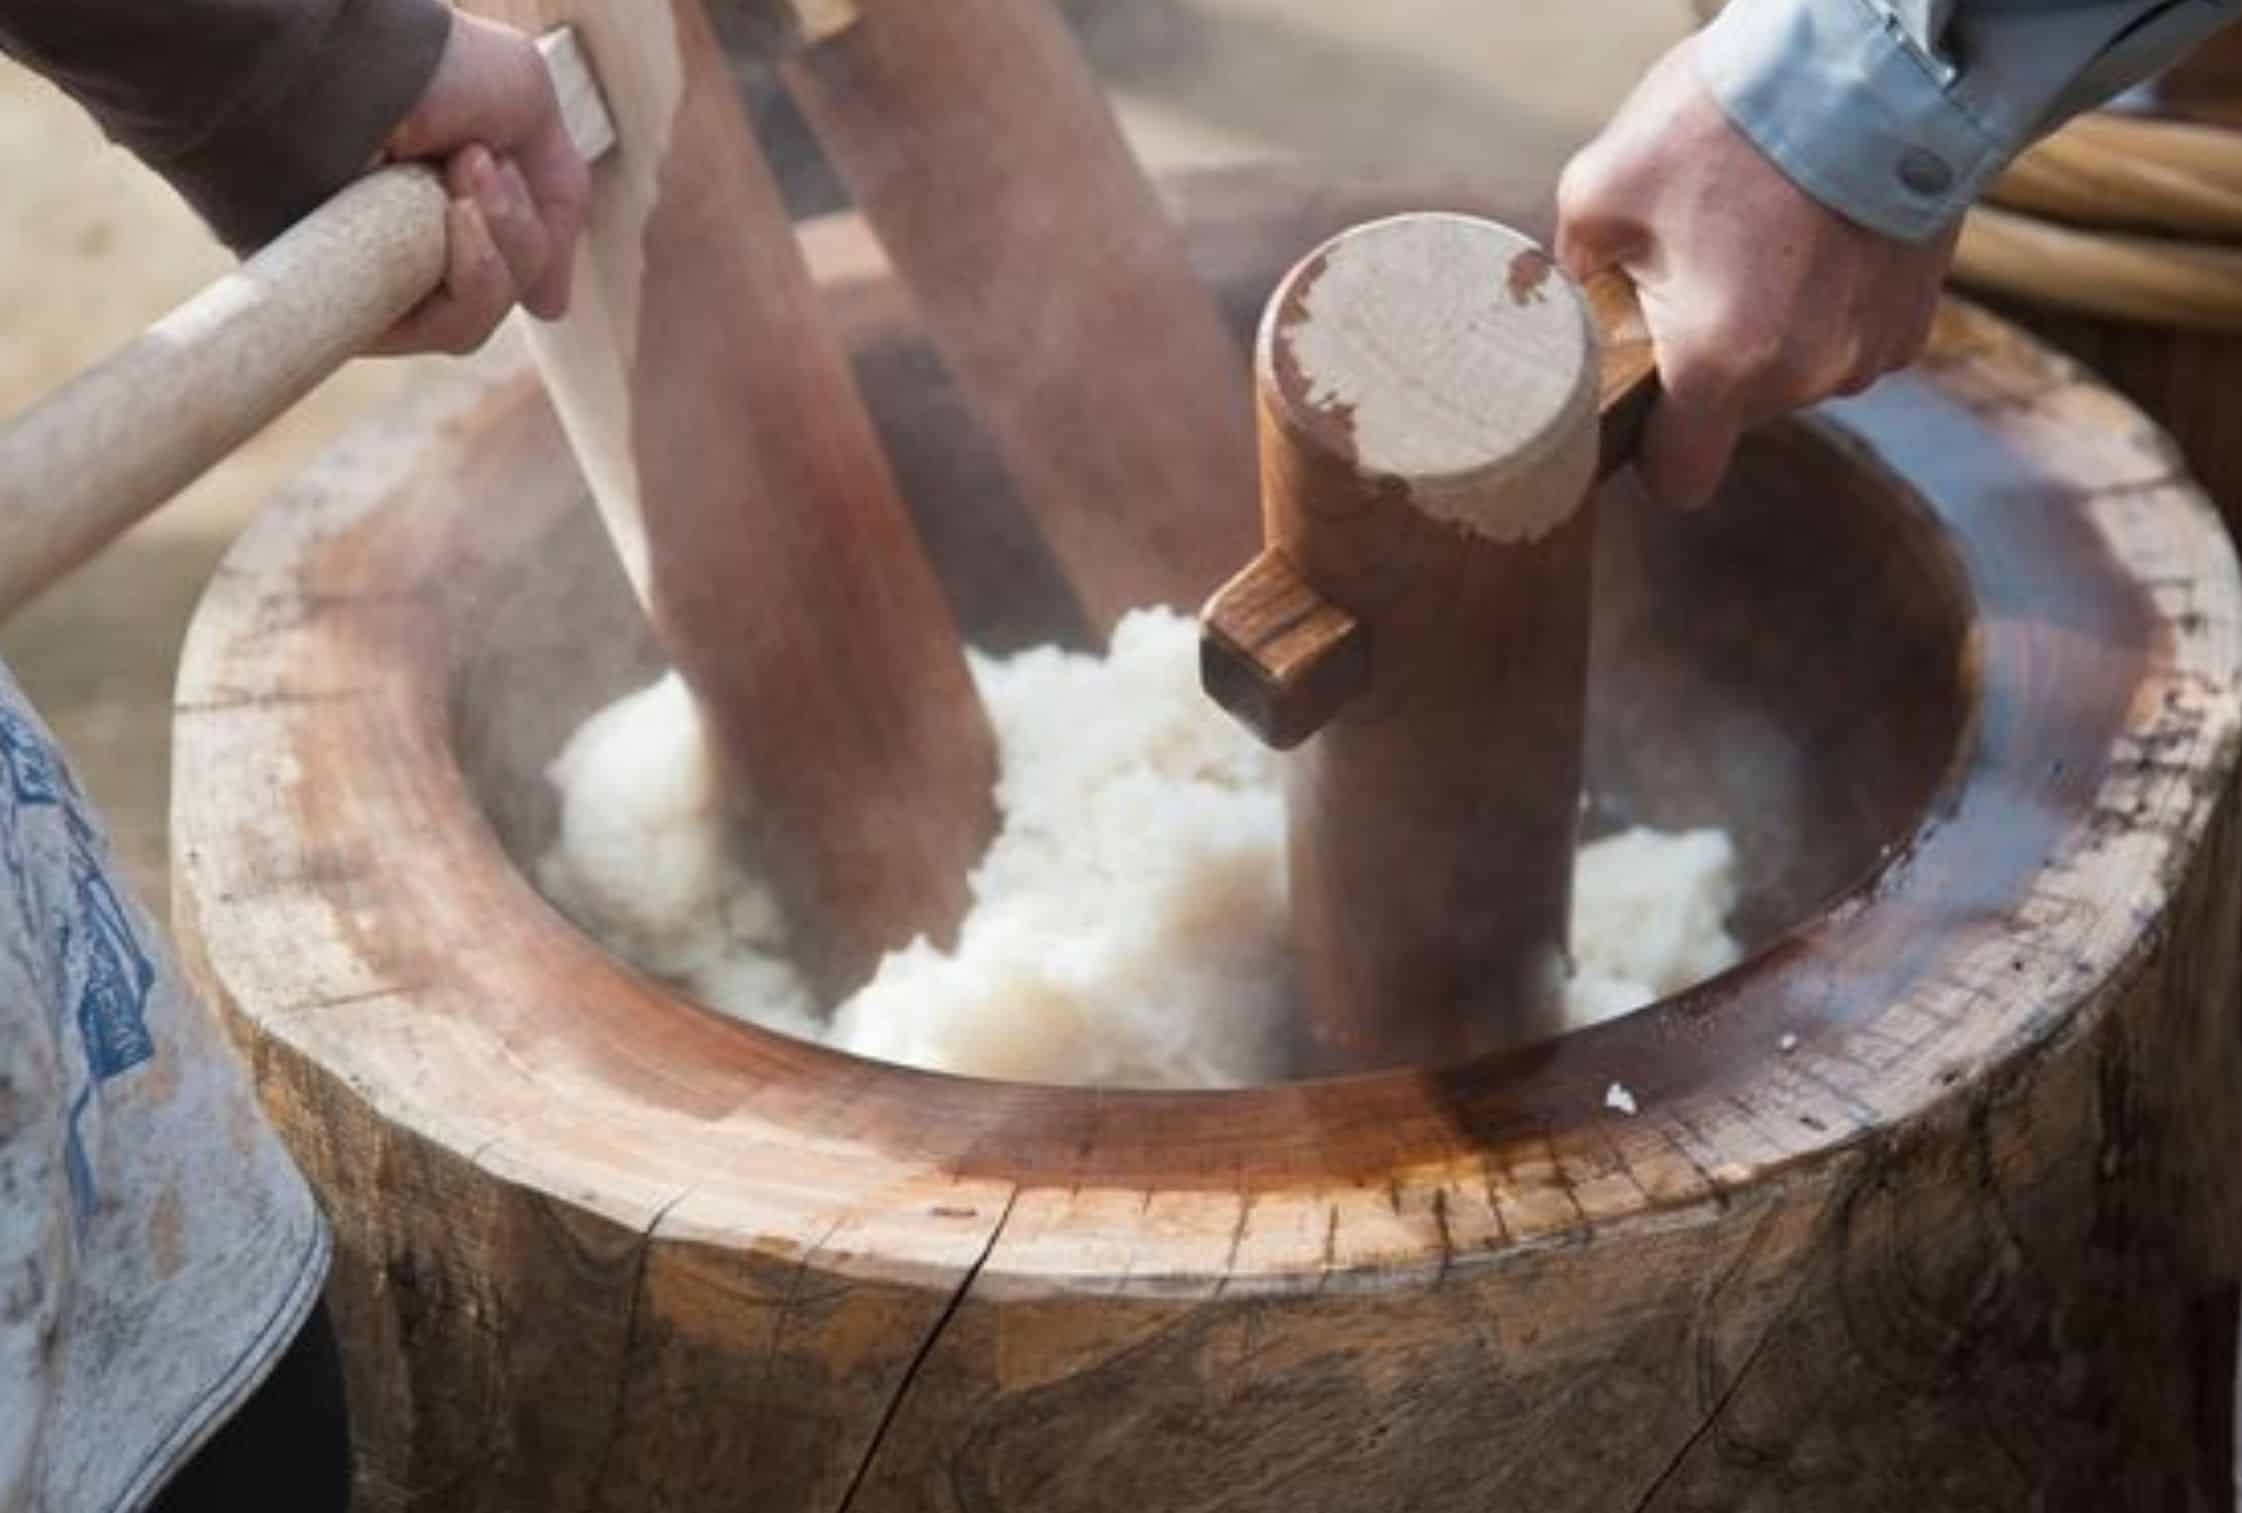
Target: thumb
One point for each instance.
(1594, 230)
(490, 86)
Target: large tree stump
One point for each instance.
(1929, 1203)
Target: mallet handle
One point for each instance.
(103, 451)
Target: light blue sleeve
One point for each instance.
(1898, 113)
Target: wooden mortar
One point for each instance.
(1928, 1202)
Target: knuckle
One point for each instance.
(1714, 364)
(467, 338)
(1586, 206)
(1578, 191)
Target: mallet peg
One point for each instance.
(1277, 654)
(1428, 392)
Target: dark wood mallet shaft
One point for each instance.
(980, 148)
(1429, 392)
(713, 410)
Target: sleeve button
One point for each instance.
(1925, 172)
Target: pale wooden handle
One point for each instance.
(2193, 286)
(103, 451)
(2173, 180)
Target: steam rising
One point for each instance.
(1128, 925)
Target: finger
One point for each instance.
(560, 185)
(1902, 343)
(1590, 235)
(1916, 338)
(1906, 330)
(490, 85)
(511, 215)
(1915, 335)
(1860, 380)
(1855, 360)
(1685, 450)
(1922, 278)
(477, 293)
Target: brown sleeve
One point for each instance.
(255, 110)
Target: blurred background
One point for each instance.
(93, 248)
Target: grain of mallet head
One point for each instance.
(1283, 660)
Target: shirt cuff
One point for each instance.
(1844, 102)
(272, 161)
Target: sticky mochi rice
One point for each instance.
(1127, 925)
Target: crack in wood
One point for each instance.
(921, 1356)
(1712, 1416)
(1490, 1183)
(233, 702)
(1237, 1236)
(783, 1309)
(1585, 1226)
(1678, 1133)
(630, 1342)
(363, 995)
(1735, 1383)
(1864, 1115)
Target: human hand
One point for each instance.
(1759, 299)
(518, 188)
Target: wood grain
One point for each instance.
(2185, 379)
(2159, 281)
(1279, 656)
(744, 487)
(2170, 178)
(982, 152)
(1958, 659)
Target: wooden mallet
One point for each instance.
(1435, 401)
(980, 149)
(109, 447)
(714, 416)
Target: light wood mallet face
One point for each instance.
(1445, 362)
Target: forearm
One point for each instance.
(1898, 113)
(255, 110)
